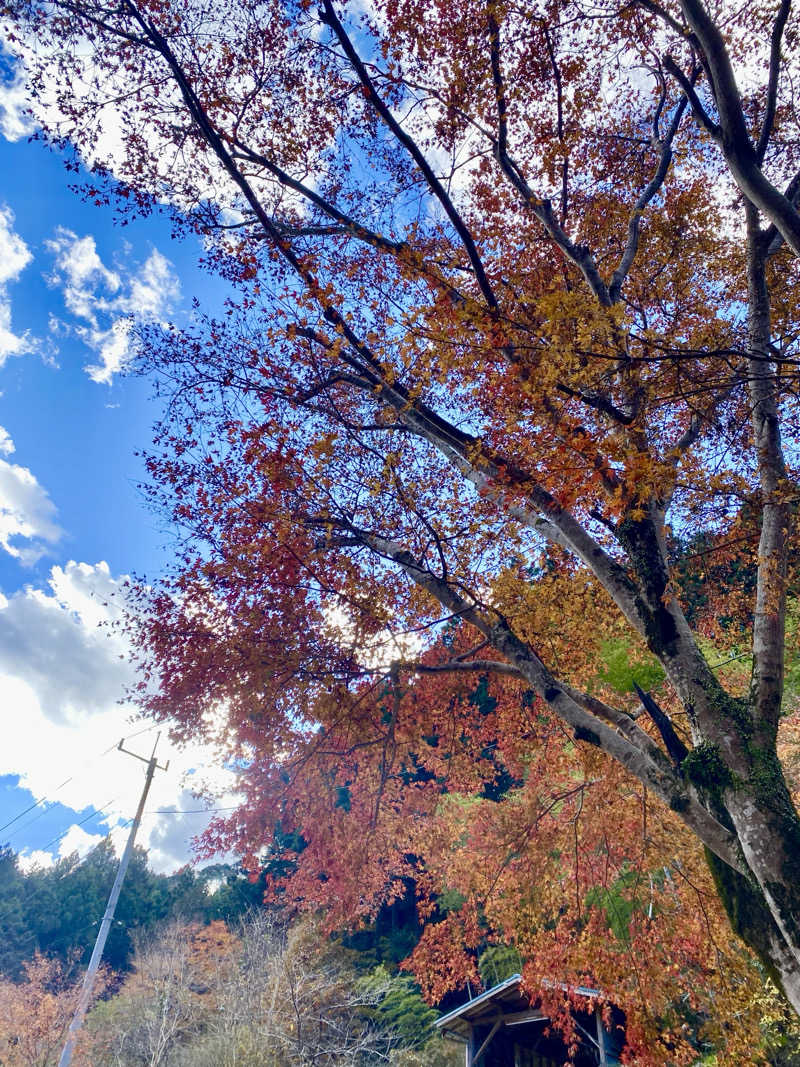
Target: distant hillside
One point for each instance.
(56, 910)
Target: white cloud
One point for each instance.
(14, 253)
(114, 350)
(107, 306)
(154, 288)
(14, 258)
(54, 641)
(76, 839)
(80, 271)
(27, 513)
(11, 344)
(22, 113)
(63, 672)
(29, 861)
(16, 121)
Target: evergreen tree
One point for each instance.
(16, 938)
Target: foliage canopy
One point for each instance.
(514, 321)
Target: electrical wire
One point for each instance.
(35, 804)
(97, 811)
(30, 822)
(189, 811)
(51, 793)
(120, 826)
(66, 874)
(55, 840)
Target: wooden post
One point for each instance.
(470, 1047)
(601, 1037)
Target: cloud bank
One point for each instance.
(63, 673)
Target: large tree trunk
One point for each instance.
(735, 763)
(752, 920)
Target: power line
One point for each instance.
(120, 826)
(98, 811)
(8, 911)
(30, 822)
(94, 848)
(144, 730)
(88, 817)
(35, 804)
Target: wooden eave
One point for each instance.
(504, 1003)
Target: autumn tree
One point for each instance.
(513, 310)
(159, 1008)
(295, 998)
(35, 1013)
(266, 994)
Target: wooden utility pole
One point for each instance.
(105, 925)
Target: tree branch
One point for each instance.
(650, 190)
(774, 78)
(598, 401)
(698, 419)
(331, 19)
(579, 255)
(490, 473)
(766, 690)
(481, 666)
(349, 224)
(773, 238)
(687, 84)
(675, 747)
(559, 122)
(741, 155)
(652, 769)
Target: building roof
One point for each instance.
(504, 1001)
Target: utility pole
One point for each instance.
(105, 925)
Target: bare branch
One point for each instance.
(480, 666)
(653, 186)
(773, 238)
(699, 419)
(347, 222)
(559, 122)
(598, 401)
(499, 85)
(774, 78)
(739, 151)
(698, 110)
(675, 746)
(663, 14)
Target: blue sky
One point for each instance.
(72, 521)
